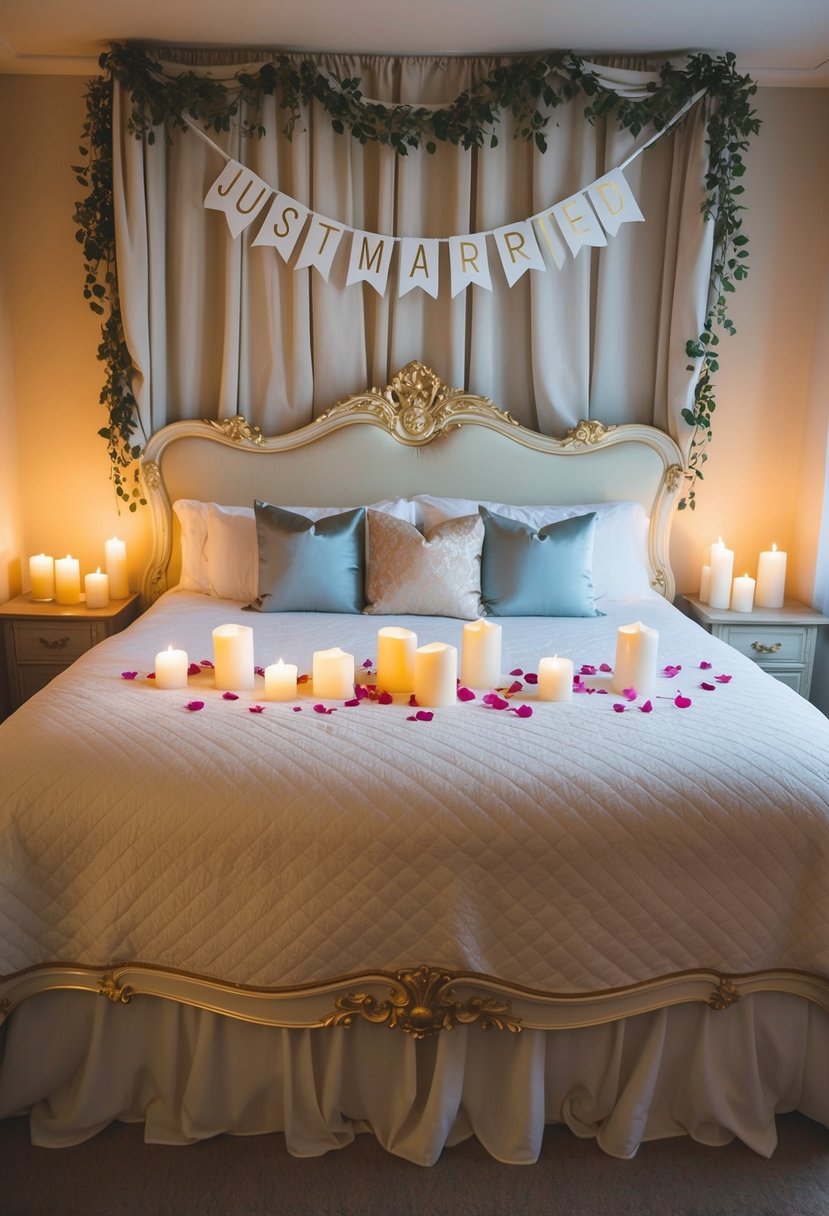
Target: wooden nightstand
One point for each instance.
(780, 640)
(41, 639)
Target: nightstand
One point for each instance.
(40, 638)
(780, 640)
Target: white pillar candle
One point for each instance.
(395, 659)
(280, 681)
(96, 588)
(67, 580)
(115, 553)
(555, 679)
(436, 674)
(722, 570)
(333, 674)
(171, 668)
(481, 654)
(742, 594)
(771, 579)
(233, 656)
(704, 584)
(636, 657)
(42, 577)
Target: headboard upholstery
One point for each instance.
(416, 436)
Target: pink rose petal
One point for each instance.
(367, 664)
(354, 701)
(259, 671)
(297, 709)
(647, 708)
(516, 671)
(194, 669)
(682, 702)
(605, 667)
(256, 709)
(422, 715)
(672, 670)
(412, 700)
(494, 701)
(629, 694)
(150, 675)
(230, 696)
(206, 663)
(709, 687)
(385, 698)
(128, 675)
(515, 686)
(587, 669)
(602, 692)
(523, 711)
(579, 685)
(323, 709)
(531, 677)
(704, 666)
(618, 707)
(194, 705)
(723, 679)
(466, 694)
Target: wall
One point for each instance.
(763, 481)
(11, 540)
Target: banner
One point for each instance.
(541, 242)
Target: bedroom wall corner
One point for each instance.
(11, 530)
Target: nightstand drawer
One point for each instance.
(52, 641)
(768, 643)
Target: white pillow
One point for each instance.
(620, 548)
(192, 518)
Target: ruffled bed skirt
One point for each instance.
(76, 1062)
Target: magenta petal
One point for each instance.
(587, 669)
(367, 664)
(424, 715)
(412, 700)
(709, 687)
(128, 675)
(602, 692)
(516, 671)
(259, 671)
(229, 696)
(205, 663)
(605, 667)
(194, 705)
(523, 711)
(515, 686)
(385, 698)
(647, 707)
(256, 709)
(350, 704)
(618, 707)
(297, 709)
(531, 677)
(682, 702)
(495, 702)
(579, 685)
(360, 692)
(672, 670)
(704, 666)
(723, 679)
(466, 694)
(322, 709)
(629, 694)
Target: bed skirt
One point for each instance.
(76, 1063)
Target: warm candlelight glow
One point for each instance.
(436, 675)
(280, 681)
(481, 654)
(96, 589)
(42, 577)
(333, 675)
(115, 553)
(722, 570)
(395, 659)
(233, 656)
(171, 669)
(555, 679)
(771, 579)
(636, 656)
(742, 594)
(67, 580)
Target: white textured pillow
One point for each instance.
(192, 518)
(620, 549)
(434, 575)
(232, 549)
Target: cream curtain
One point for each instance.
(218, 327)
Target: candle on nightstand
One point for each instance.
(67, 580)
(96, 587)
(771, 579)
(42, 577)
(171, 669)
(722, 569)
(742, 594)
(115, 553)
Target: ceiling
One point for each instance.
(777, 43)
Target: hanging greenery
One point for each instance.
(531, 88)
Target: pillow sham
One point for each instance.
(307, 565)
(547, 572)
(192, 518)
(416, 575)
(621, 568)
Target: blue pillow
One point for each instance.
(310, 565)
(548, 572)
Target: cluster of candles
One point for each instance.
(59, 579)
(719, 589)
(429, 672)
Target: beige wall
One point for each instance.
(763, 480)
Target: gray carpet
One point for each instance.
(116, 1174)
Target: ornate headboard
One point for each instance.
(415, 436)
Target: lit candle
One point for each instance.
(704, 584)
(436, 674)
(280, 681)
(333, 674)
(722, 569)
(555, 679)
(481, 654)
(742, 594)
(42, 577)
(636, 656)
(395, 659)
(67, 580)
(233, 656)
(115, 553)
(96, 587)
(171, 669)
(771, 579)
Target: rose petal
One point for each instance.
(229, 696)
(128, 675)
(682, 702)
(194, 669)
(322, 709)
(367, 664)
(515, 686)
(601, 691)
(205, 663)
(494, 701)
(466, 694)
(605, 667)
(385, 698)
(259, 671)
(618, 707)
(723, 679)
(647, 707)
(523, 711)
(629, 694)
(194, 705)
(150, 675)
(516, 671)
(587, 669)
(297, 709)
(672, 670)
(256, 709)
(709, 687)
(412, 700)
(704, 666)
(579, 685)
(303, 679)
(354, 701)
(531, 677)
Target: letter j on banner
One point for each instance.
(240, 194)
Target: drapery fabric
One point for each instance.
(218, 327)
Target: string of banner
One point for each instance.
(585, 219)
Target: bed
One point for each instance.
(333, 915)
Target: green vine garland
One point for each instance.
(530, 88)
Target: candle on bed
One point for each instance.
(333, 674)
(481, 654)
(280, 681)
(722, 569)
(742, 594)
(436, 675)
(171, 668)
(115, 554)
(233, 656)
(42, 577)
(96, 589)
(771, 579)
(636, 656)
(555, 679)
(395, 659)
(67, 580)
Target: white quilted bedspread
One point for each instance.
(571, 850)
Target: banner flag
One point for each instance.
(418, 267)
(550, 243)
(282, 225)
(240, 194)
(320, 245)
(518, 250)
(613, 201)
(468, 262)
(577, 221)
(370, 260)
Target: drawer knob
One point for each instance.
(54, 643)
(761, 647)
